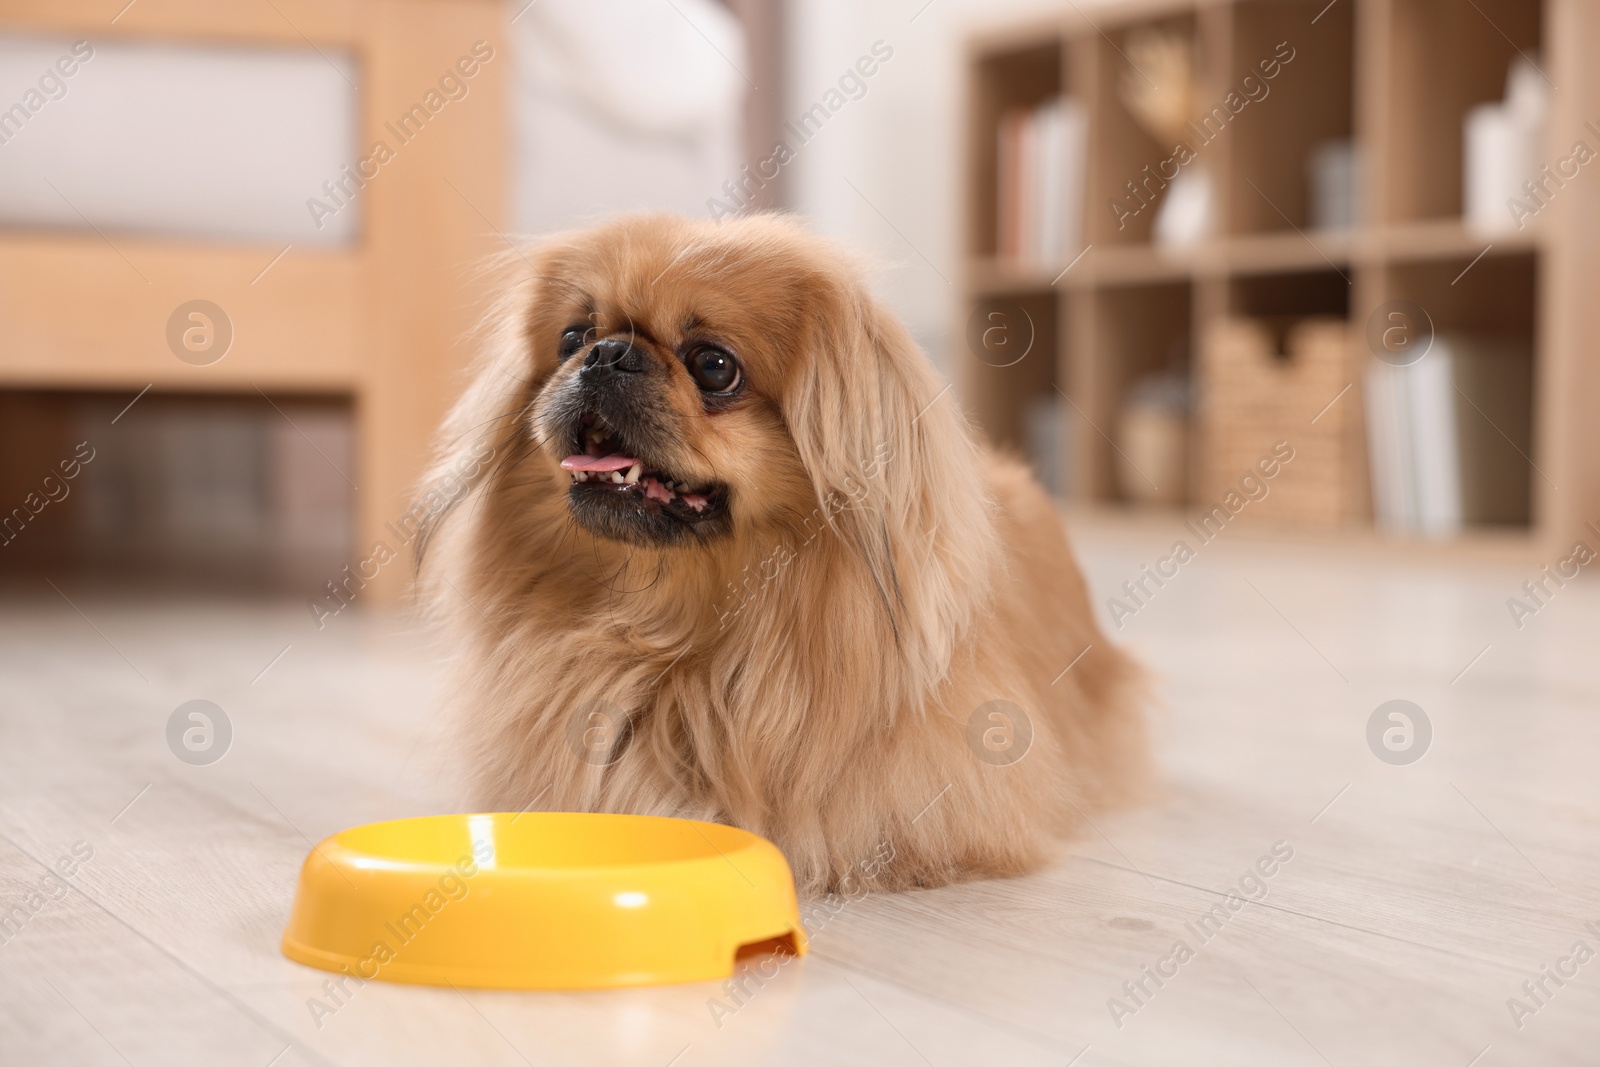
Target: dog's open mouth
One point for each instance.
(607, 468)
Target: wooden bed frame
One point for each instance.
(382, 322)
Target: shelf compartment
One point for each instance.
(1120, 147)
(1013, 345)
(1003, 79)
(1493, 309)
(1137, 331)
(1442, 60)
(1272, 141)
(1279, 301)
(1498, 294)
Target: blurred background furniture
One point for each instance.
(344, 352)
(1351, 177)
(1324, 180)
(1258, 390)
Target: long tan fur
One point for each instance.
(811, 676)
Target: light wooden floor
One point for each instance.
(1418, 900)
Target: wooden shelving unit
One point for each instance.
(1395, 76)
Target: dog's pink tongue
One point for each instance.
(616, 462)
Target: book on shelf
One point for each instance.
(1449, 436)
(1039, 181)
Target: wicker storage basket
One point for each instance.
(1255, 396)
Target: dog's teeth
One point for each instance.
(633, 473)
(616, 476)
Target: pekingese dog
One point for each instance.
(727, 549)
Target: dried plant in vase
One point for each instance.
(1159, 90)
(1158, 87)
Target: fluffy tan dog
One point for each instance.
(736, 555)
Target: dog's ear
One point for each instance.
(896, 471)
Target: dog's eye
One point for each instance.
(571, 340)
(713, 370)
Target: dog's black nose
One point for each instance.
(613, 355)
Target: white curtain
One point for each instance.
(624, 105)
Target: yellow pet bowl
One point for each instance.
(541, 900)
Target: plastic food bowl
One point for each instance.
(541, 900)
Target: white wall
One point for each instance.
(899, 144)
